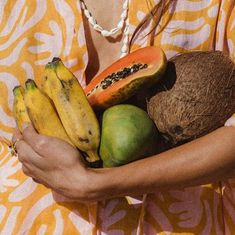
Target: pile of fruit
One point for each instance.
(185, 98)
(62, 109)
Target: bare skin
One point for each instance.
(102, 50)
(58, 165)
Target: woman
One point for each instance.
(180, 26)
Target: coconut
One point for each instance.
(195, 97)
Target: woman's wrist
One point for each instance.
(149, 174)
(101, 183)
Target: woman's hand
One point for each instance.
(52, 162)
(57, 165)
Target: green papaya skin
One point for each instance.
(128, 134)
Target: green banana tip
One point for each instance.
(55, 60)
(49, 66)
(18, 90)
(52, 65)
(30, 84)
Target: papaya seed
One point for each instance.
(119, 75)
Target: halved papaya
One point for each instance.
(126, 76)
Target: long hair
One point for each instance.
(154, 15)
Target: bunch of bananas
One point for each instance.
(60, 109)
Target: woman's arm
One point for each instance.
(57, 165)
(207, 159)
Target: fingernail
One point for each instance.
(25, 125)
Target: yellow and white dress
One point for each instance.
(32, 32)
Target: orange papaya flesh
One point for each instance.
(126, 76)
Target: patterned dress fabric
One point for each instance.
(32, 32)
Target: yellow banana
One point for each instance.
(19, 108)
(76, 114)
(42, 113)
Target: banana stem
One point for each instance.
(93, 159)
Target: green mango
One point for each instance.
(127, 134)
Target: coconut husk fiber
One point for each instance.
(195, 97)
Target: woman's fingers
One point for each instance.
(36, 141)
(42, 144)
(56, 151)
(36, 181)
(16, 135)
(25, 170)
(49, 160)
(36, 174)
(27, 155)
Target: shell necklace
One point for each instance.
(108, 33)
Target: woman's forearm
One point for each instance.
(207, 159)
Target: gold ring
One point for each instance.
(12, 148)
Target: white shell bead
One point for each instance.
(97, 27)
(87, 13)
(120, 24)
(127, 30)
(92, 21)
(125, 5)
(106, 33)
(115, 30)
(123, 15)
(124, 48)
(125, 40)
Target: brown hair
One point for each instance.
(155, 15)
